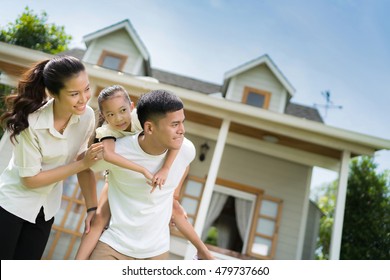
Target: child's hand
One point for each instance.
(149, 179)
(160, 177)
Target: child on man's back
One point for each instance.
(116, 110)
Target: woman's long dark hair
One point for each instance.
(50, 74)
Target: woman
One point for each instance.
(49, 124)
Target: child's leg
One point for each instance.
(99, 222)
(188, 231)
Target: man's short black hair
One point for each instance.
(154, 105)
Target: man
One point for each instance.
(139, 226)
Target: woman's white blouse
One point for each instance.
(38, 148)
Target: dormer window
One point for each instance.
(112, 60)
(256, 97)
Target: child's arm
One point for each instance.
(100, 221)
(161, 176)
(112, 157)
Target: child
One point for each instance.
(116, 110)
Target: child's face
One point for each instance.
(117, 112)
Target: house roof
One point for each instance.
(185, 82)
(303, 111)
(264, 59)
(125, 24)
(76, 52)
(169, 78)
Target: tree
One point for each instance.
(326, 202)
(366, 228)
(32, 31)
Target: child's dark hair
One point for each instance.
(50, 74)
(155, 104)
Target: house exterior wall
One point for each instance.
(312, 231)
(279, 178)
(118, 42)
(261, 78)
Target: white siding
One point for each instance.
(261, 78)
(121, 43)
(312, 230)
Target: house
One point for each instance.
(250, 182)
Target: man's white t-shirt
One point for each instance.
(139, 225)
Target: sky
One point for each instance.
(340, 46)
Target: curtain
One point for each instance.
(217, 202)
(226, 233)
(243, 210)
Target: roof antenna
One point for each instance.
(329, 104)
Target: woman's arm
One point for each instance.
(60, 173)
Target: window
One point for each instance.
(256, 97)
(190, 196)
(241, 222)
(265, 227)
(65, 235)
(112, 61)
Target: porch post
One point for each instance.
(209, 185)
(335, 243)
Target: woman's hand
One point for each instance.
(93, 154)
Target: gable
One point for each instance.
(125, 25)
(120, 45)
(261, 82)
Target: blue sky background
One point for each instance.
(336, 45)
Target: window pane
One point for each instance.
(261, 246)
(189, 205)
(62, 246)
(265, 226)
(255, 99)
(190, 220)
(74, 216)
(69, 185)
(193, 188)
(111, 62)
(61, 213)
(269, 208)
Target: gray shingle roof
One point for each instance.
(302, 111)
(185, 82)
(76, 52)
